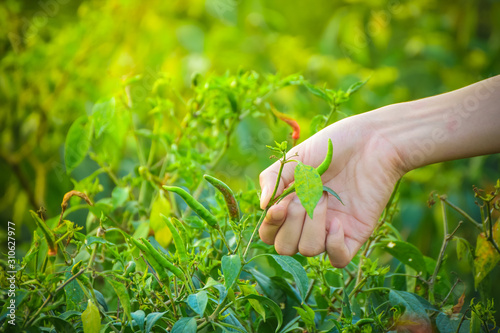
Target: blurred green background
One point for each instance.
(58, 57)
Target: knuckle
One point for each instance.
(339, 262)
(311, 250)
(285, 250)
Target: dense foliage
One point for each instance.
(107, 102)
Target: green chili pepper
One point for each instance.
(152, 261)
(195, 205)
(232, 205)
(162, 260)
(328, 159)
(179, 243)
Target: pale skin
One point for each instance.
(371, 152)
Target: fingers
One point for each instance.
(267, 180)
(313, 232)
(273, 221)
(338, 252)
(288, 236)
(291, 230)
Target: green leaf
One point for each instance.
(93, 239)
(308, 186)
(332, 192)
(152, 318)
(91, 319)
(185, 325)
(74, 294)
(266, 302)
(231, 266)
(103, 114)
(410, 302)
(307, 316)
(77, 143)
(138, 317)
(292, 266)
(317, 92)
(355, 87)
(446, 325)
(119, 196)
(60, 325)
(100, 299)
(122, 294)
(198, 302)
(317, 123)
(407, 253)
(248, 289)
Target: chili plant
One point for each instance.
(172, 248)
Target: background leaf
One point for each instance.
(152, 318)
(103, 114)
(407, 253)
(185, 325)
(77, 143)
(231, 266)
(292, 266)
(198, 302)
(122, 294)
(91, 319)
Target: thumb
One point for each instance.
(267, 180)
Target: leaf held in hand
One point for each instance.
(308, 186)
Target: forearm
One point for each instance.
(459, 124)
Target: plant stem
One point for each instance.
(330, 115)
(255, 231)
(490, 234)
(463, 213)
(446, 238)
(54, 294)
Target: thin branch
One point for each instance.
(462, 212)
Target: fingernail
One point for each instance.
(264, 197)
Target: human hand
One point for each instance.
(364, 170)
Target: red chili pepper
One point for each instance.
(290, 121)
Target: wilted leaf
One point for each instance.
(460, 303)
(308, 186)
(487, 256)
(463, 247)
